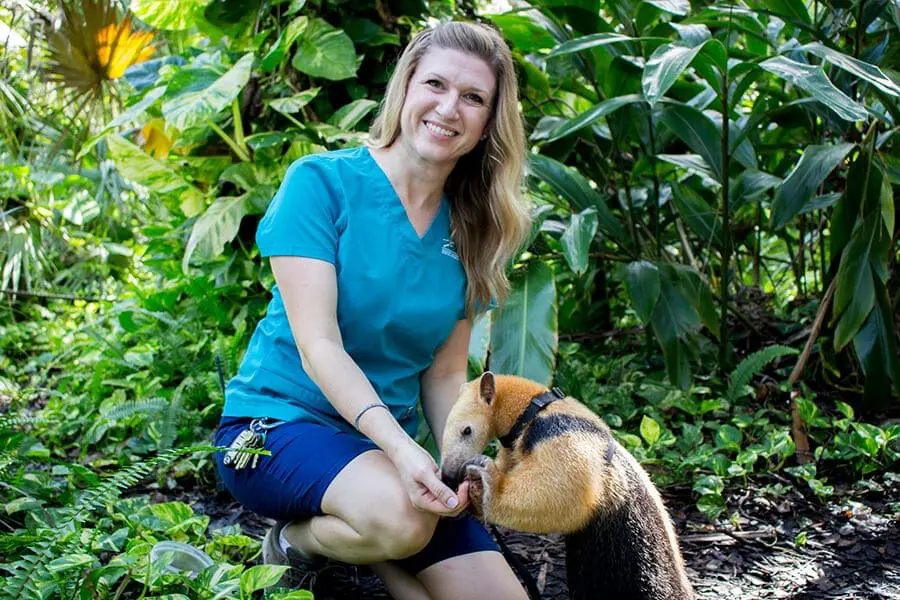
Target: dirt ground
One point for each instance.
(794, 547)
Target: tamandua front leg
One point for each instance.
(483, 477)
(529, 497)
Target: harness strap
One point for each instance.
(537, 404)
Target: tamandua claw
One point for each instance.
(479, 485)
(480, 461)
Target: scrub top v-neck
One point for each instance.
(399, 295)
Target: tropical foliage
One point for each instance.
(715, 238)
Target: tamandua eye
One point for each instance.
(467, 430)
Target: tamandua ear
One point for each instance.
(487, 387)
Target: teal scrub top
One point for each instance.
(399, 296)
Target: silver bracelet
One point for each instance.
(365, 408)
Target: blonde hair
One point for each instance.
(489, 220)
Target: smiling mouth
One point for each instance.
(440, 130)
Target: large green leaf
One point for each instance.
(576, 239)
(665, 66)
(694, 34)
(702, 218)
(69, 561)
(157, 175)
(642, 285)
(283, 45)
(673, 319)
(888, 209)
(169, 14)
(215, 228)
(292, 104)
(261, 577)
(855, 293)
(192, 103)
(821, 202)
(480, 341)
(862, 195)
(892, 164)
(349, 115)
(523, 32)
(579, 194)
(697, 291)
(675, 7)
(876, 346)
(326, 52)
(590, 41)
(693, 163)
(590, 116)
(524, 331)
(861, 69)
(697, 131)
(749, 186)
(814, 81)
(259, 184)
(811, 170)
(791, 10)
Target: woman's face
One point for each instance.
(448, 105)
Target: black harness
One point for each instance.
(537, 404)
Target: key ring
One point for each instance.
(262, 424)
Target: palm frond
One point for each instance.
(92, 46)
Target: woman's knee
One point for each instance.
(400, 531)
(370, 497)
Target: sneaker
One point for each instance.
(304, 569)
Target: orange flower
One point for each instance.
(118, 47)
(92, 45)
(154, 140)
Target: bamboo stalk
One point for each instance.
(798, 429)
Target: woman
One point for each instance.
(382, 256)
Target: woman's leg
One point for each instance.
(400, 584)
(480, 575)
(368, 516)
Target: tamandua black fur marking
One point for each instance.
(560, 470)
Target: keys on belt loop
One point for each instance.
(252, 438)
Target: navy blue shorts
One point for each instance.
(306, 457)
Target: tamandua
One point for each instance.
(559, 470)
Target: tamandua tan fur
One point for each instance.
(564, 473)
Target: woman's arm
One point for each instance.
(442, 380)
(309, 289)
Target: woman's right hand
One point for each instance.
(420, 475)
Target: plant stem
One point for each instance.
(859, 12)
(654, 205)
(726, 230)
(798, 430)
(234, 147)
(238, 125)
(757, 247)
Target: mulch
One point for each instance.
(791, 546)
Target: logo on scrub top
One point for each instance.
(449, 249)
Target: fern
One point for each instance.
(26, 572)
(10, 422)
(10, 542)
(168, 430)
(114, 485)
(30, 576)
(123, 410)
(752, 365)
